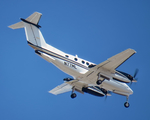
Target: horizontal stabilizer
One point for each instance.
(61, 89)
(32, 19)
(17, 25)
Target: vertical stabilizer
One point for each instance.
(34, 18)
(33, 33)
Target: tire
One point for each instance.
(98, 82)
(73, 95)
(126, 104)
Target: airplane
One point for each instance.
(87, 77)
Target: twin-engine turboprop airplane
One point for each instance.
(98, 80)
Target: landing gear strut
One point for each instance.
(99, 81)
(126, 104)
(73, 95)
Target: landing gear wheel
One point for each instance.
(98, 82)
(126, 104)
(73, 95)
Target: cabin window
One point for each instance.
(87, 63)
(67, 56)
(83, 62)
(75, 59)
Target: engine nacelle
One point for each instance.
(94, 90)
(68, 79)
(119, 76)
(123, 77)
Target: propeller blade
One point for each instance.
(134, 79)
(105, 98)
(108, 94)
(136, 71)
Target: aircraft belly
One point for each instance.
(45, 56)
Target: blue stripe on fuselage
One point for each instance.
(57, 55)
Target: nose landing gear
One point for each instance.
(126, 104)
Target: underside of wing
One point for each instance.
(115, 61)
(61, 89)
(107, 67)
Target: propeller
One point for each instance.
(134, 76)
(135, 73)
(108, 94)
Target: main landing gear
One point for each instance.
(99, 81)
(73, 95)
(126, 104)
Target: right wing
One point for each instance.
(107, 67)
(61, 89)
(117, 60)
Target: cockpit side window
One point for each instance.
(90, 66)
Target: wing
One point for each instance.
(61, 89)
(69, 86)
(118, 59)
(109, 65)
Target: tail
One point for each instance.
(33, 33)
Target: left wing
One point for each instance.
(61, 89)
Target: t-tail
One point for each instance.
(33, 33)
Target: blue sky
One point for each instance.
(94, 30)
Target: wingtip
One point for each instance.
(38, 12)
(132, 50)
(50, 92)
